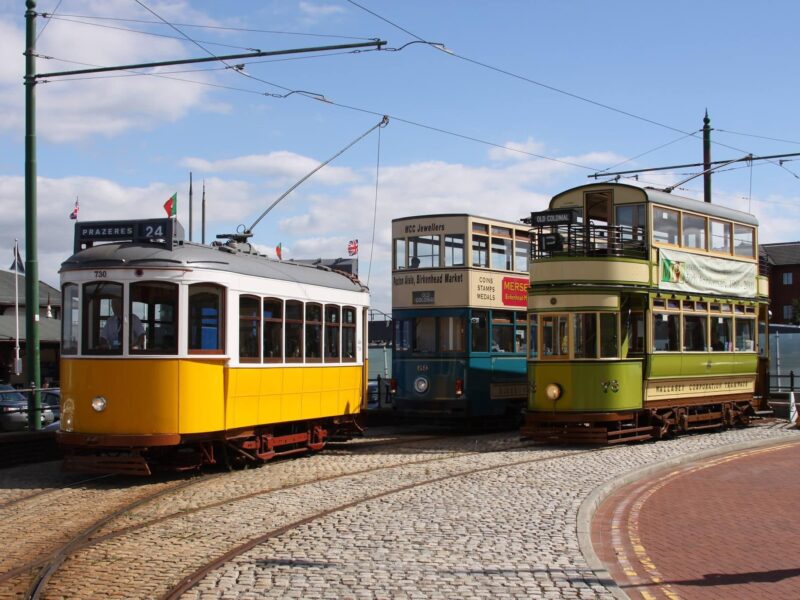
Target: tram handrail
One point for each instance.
(580, 239)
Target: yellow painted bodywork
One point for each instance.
(186, 396)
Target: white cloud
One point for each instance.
(319, 11)
(72, 110)
(517, 150)
(282, 165)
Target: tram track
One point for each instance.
(53, 558)
(101, 532)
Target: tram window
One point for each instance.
(402, 335)
(520, 331)
(743, 240)
(480, 247)
(631, 222)
(70, 320)
(155, 305)
(349, 334)
(609, 342)
(665, 332)
(501, 253)
(294, 331)
(424, 251)
(454, 250)
(206, 318)
(272, 315)
(745, 335)
(502, 331)
(479, 329)
(313, 332)
(721, 330)
(701, 306)
(425, 334)
(665, 225)
(534, 337)
(452, 334)
(400, 253)
(635, 333)
(555, 342)
(694, 231)
(522, 248)
(332, 326)
(694, 333)
(249, 328)
(720, 236)
(101, 333)
(584, 335)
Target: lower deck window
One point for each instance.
(206, 318)
(155, 306)
(666, 333)
(694, 333)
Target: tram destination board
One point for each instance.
(161, 231)
(553, 217)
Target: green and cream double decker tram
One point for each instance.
(644, 311)
(459, 296)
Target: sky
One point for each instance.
(494, 107)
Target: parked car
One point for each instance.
(52, 399)
(14, 410)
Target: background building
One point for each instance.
(784, 281)
(49, 330)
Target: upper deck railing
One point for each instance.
(580, 240)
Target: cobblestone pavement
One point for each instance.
(509, 532)
(736, 537)
(445, 518)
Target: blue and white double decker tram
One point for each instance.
(459, 296)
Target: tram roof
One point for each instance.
(218, 258)
(679, 202)
(464, 215)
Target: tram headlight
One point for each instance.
(553, 391)
(99, 403)
(421, 385)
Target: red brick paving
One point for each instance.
(723, 528)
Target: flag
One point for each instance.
(74, 214)
(352, 247)
(17, 265)
(279, 250)
(171, 205)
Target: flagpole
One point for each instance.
(17, 362)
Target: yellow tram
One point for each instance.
(177, 354)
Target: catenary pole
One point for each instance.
(32, 366)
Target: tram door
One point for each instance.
(597, 219)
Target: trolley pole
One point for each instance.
(706, 158)
(32, 353)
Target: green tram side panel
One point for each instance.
(583, 385)
(701, 364)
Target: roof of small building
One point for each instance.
(782, 253)
(49, 329)
(47, 293)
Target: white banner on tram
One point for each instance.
(685, 272)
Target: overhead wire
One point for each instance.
(198, 26)
(556, 89)
(46, 23)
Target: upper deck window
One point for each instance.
(480, 250)
(694, 231)
(521, 251)
(720, 236)
(454, 250)
(206, 318)
(400, 253)
(501, 253)
(155, 306)
(631, 222)
(665, 225)
(744, 240)
(102, 318)
(423, 252)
